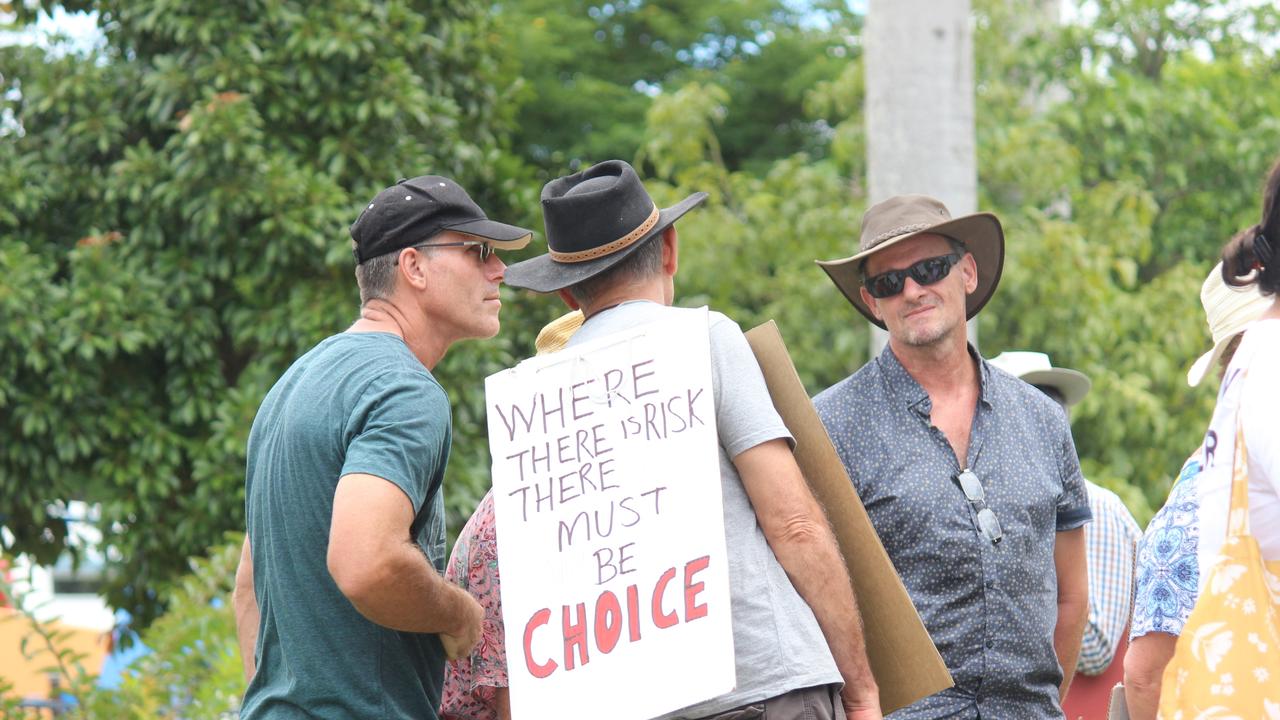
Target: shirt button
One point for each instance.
(991, 583)
(990, 644)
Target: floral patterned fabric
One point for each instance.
(1168, 571)
(470, 683)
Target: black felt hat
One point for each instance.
(412, 211)
(594, 219)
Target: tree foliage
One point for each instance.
(1123, 154)
(588, 71)
(174, 234)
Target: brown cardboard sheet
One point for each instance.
(903, 658)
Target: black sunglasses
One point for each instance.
(486, 249)
(988, 523)
(925, 272)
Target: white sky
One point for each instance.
(80, 29)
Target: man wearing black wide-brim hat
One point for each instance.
(341, 608)
(968, 474)
(797, 635)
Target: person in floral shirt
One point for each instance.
(1168, 562)
(475, 686)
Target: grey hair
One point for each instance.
(376, 277)
(642, 264)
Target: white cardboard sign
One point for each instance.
(606, 487)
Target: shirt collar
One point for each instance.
(904, 388)
(986, 394)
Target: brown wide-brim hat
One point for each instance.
(594, 219)
(903, 217)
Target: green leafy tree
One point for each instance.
(588, 71)
(173, 234)
(192, 668)
(1121, 154)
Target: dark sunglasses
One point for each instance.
(925, 272)
(486, 249)
(988, 523)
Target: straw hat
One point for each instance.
(556, 333)
(1228, 311)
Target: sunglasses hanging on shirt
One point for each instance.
(988, 523)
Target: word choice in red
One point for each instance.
(607, 620)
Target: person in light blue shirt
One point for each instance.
(969, 475)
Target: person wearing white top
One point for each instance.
(1250, 394)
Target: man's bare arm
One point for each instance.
(1073, 601)
(384, 574)
(801, 538)
(245, 603)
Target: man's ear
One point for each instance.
(969, 267)
(870, 302)
(567, 297)
(670, 250)
(413, 267)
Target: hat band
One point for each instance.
(895, 233)
(608, 248)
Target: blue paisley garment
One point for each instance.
(1168, 568)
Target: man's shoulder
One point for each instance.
(633, 314)
(865, 382)
(1012, 394)
(364, 356)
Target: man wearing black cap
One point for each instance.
(340, 605)
(797, 633)
(969, 475)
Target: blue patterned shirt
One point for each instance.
(990, 608)
(1168, 564)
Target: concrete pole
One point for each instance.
(919, 113)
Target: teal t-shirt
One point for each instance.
(356, 403)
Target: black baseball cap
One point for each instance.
(414, 210)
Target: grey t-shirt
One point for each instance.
(356, 403)
(778, 646)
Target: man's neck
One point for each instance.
(387, 316)
(942, 368)
(651, 290)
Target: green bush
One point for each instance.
(193, 670)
